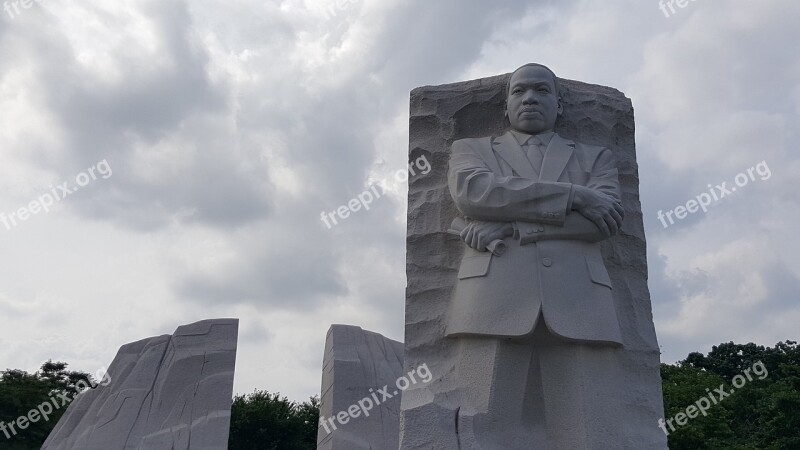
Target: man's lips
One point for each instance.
(530, 112)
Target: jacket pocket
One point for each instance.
(474, 266)
(598, 273)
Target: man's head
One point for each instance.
(532, 99)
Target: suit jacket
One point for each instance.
(553, 263)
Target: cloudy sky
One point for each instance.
(209, 136)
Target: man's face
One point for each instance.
(533, 103)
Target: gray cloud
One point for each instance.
(231, 126)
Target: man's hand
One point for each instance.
(478, 234)
(598, 207)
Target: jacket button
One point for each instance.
(547, 262)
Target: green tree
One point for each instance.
(683, 386)
(265, 421)
(761, 414)
(781, 424)
(21, 392)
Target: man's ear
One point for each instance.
(560, 106)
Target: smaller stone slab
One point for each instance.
(357, 363)
(167, 392)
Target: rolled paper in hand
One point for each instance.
(497, 246)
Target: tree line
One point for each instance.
(757, 412)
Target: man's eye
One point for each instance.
(544, 91)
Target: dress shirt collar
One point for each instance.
(522, 138)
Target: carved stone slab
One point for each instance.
(166, 392)
(356, 364)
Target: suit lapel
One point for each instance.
(509, 149)
(556, 157)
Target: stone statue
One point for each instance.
(536, 323)
(527, 294)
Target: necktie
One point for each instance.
(534, 153)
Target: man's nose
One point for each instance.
(529, 97)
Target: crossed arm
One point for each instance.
(496, 205)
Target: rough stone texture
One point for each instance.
(594, 115)
(166, 392)
(355, 364)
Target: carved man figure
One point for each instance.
(536, 325)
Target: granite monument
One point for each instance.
(526, 269)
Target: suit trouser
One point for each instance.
(539, 391)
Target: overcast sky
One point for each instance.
(218, 131)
